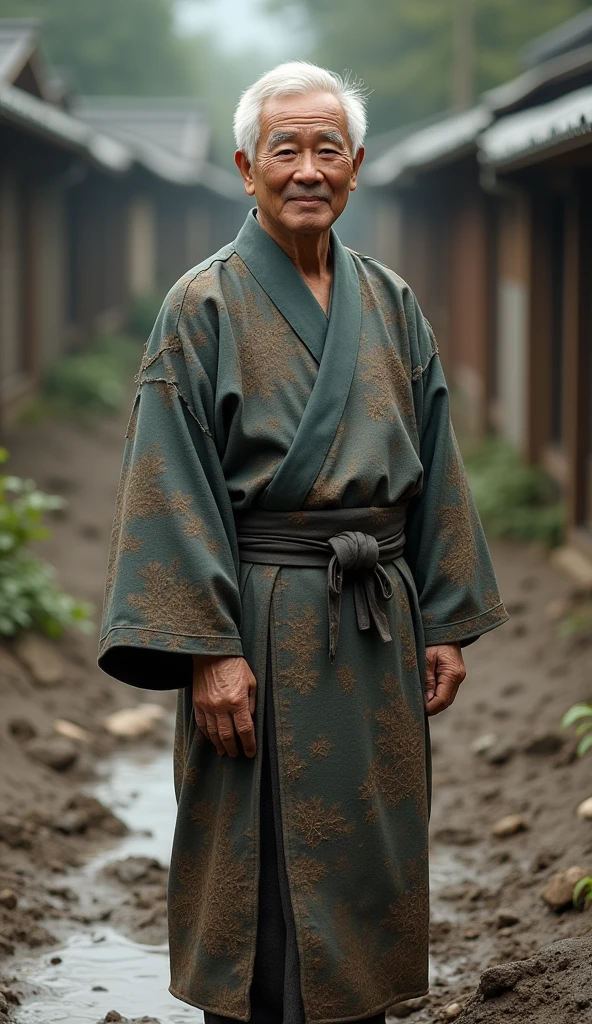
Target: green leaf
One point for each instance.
(575, 713)
(585, 745)
(583, 888)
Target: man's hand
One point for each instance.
(445, 671)
(224, 702)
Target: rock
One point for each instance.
(544, 743)
(584, 810)
(16, 833)
(41, 658)
(410, 1006)
(54, 751)
(112, 1016)
(136, 869)
(511, 825)
(21, 729)
(8, 899)
(71, 731)
(483, 743)
(471, 934)
(498, 979)
(501, 753)
(10, 995)
(544, 859)
(456, 836)
(82, 812)
(131, 723)
(505, 918)
(452, 1011)
(4, 1007)
(558, 892)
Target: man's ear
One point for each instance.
(245, 169)
(357, 164)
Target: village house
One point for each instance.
(102, 201)
(494, 232)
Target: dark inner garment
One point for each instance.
(275, 991)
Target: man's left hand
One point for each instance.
(445, 671)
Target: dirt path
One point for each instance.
(487, 905)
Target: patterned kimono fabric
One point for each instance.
(249, 401)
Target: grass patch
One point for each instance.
(515, 501)
(89, 383)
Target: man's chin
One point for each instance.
(308, 216)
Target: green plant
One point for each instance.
(88, 383)
(515, 501)
(582, 894)
(29, 595)
(582, 715)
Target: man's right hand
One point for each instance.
(224, 702)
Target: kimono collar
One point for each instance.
(287, 289)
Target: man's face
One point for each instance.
(304, 169)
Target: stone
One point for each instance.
(53, 751)
(16, 833)
(8, 899)
(21, 729)
(558, 892)
(71, 731)
(544, 743)
(10, 995)
(112, 1017)
(584, 810)
(41, 658)
(505, 918)
(483, 743)
(132, 723)
(500, 754)
(511, 825)
(407, 1008)
(135, 869)
(4, 1007)
(82, 812)
(452, 1011)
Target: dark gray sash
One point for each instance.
(357, 540)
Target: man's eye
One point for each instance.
(330, 152)
(285, 152)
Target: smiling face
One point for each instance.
(304, 169)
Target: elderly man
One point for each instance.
(295, 550)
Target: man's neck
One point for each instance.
(310, 254)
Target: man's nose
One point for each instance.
(308, 170)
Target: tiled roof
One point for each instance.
(435, 144)
(18, 40)
(523, 136)
(569, 36)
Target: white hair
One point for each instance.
(296, 78)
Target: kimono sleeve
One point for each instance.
(172, 582)
(446, 547)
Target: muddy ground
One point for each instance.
(498, 752)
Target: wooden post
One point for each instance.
(576, 323)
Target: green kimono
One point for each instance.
(249, 396)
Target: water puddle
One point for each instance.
(101, 970)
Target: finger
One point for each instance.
(226, 733)
(213, 733)
(430, 669)
(245, 728)
(436, 705)
(252, 696)
(200, 718)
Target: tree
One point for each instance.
(404, 49)
(116, 46)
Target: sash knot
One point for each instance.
(358, 553)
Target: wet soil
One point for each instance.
(83, 850)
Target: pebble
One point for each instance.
(483, 743)
(41, 658)
(505, 918)
(54, 751)
(500, 754)
(584, 810)
(131, 723)
(452, 1011)
(8, 899)
(409, 1006)
(509, 826)
(558, 892)
(4, 1007)
(71, 731)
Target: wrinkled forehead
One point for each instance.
(310, 115)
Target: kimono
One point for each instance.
(250, 397)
